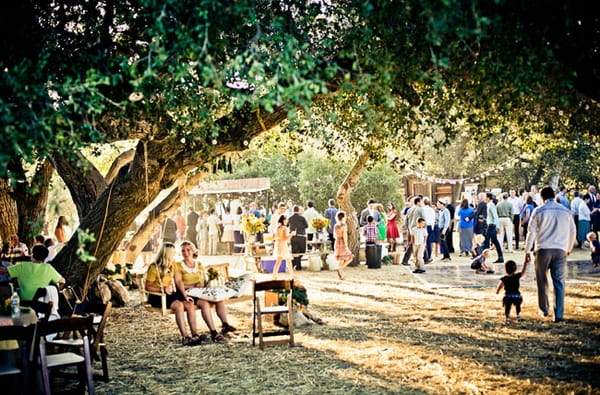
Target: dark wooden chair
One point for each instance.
(20, 365)
(6, 289)
(47, 362)
(42, 309)
(100, 313)
(260, 309)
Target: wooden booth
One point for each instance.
(414, 185)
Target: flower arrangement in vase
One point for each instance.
(211, 275)
(252, 224)
(319, 223)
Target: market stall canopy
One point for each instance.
(222, 187)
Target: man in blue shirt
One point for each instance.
(562, 196)
(330, 214)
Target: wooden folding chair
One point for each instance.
(43, 309)
(24, 337)
(260, 310)
(100, 313)
(83, 326)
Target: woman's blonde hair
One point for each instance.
(165, 258)
(192, 247)
(591, 236)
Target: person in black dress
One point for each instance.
(511, 283)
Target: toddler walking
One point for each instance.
(511, 283)
(595, 247)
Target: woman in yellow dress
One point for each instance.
(190, 274)
(160, 278)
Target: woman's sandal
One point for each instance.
(227, 328)
(217, 337)
(339, 274)
(186, 341)
(198, 339)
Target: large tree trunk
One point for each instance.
(114, 210)
(343, 199)
(23, 208)
(32, 201)
(82, 178)
(9, 217)
(168, 159)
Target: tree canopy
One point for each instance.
(193, 80)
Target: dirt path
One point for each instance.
(385, 332)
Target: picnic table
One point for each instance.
(254, 252)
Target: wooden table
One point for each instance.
(249, 250)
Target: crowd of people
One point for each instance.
(548, 224)
(485, 224)
(502, 221)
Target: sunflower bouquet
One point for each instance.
(252, 224)
(319, 223)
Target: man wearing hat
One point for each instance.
(444, 225)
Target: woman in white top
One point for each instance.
(583, 226)
(227, 236)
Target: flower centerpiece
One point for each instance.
(319, 223)
(212, 274)
(252, 225)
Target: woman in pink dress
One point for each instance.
(392, 226)
(281, 250)
(341, 252)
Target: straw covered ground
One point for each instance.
(385, 332)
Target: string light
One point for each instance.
(454, 181)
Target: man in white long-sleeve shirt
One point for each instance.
(552, 229)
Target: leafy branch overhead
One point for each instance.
(190, 81)
(171, 70)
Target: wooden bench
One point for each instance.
(221, 268)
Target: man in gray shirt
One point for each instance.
(552, 232)
(505, 219)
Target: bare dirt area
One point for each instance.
(386, 331)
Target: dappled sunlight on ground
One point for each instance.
(386, 331)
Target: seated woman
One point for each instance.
(160, 278)
(191, 274)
